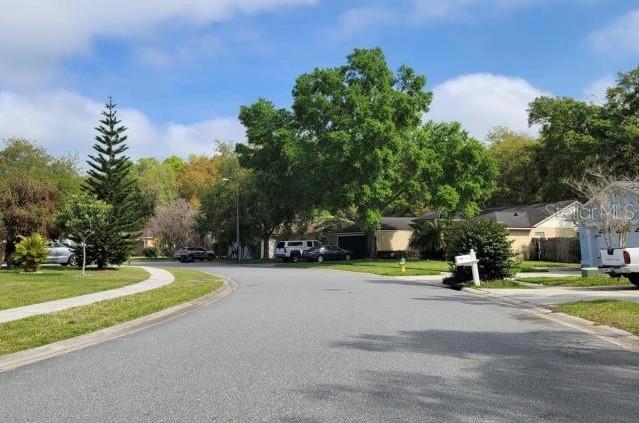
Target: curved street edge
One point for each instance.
(23, 358)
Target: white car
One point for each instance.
(292, 250)
(621, 262)
(59, 253)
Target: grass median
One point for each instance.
(45, 329)
(575, 282)
(617, 313)
(54, 283)
(379, 267)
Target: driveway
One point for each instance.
(303, 345)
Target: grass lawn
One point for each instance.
(620, 314)
(506, 283)
(578, 281)
(53, 283)
(544, 266)
(379, 267)
(40, 330)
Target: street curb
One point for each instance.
(33, 355)
(618, 337)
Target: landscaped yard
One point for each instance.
(380, 267)
(620, 314)
(40, 330)
(53, 283)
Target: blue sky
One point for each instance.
(181, 69)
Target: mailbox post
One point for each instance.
(469, 260)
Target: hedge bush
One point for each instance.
(490, 241)
(150, 252)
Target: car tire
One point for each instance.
(348, 257)
(295, 258)
(634, 279)
(190, 259)
(320, 259)
(73, 260)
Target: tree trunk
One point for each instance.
(84, 256)
(371, 243)
(266, 240)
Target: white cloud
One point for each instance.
(63, 122)
(190, 50)
(482, 101)
(361, 20)
(37, 34)
(596, 91)
(620, 36)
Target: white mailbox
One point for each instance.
(469, 260)
(466, 260)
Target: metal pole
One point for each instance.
(474, 268)
(237, 227)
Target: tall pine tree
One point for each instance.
(110, 180)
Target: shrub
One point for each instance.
(30, 252)
(491, 244)
(150, 252)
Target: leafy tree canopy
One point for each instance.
(358, 119)
(576, 135)
(516, 156)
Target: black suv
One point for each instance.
(189, 254)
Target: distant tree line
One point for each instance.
(355, 144)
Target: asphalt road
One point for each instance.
(299, 345)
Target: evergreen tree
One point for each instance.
(111, 181)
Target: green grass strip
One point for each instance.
(56, 282)
(617, 313)
(41, 330)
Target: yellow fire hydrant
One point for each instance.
(402, 265)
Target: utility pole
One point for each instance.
(237, 217)
(237, 220)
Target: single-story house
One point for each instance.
(620, 203)
(393, 236)
(525, 224)
(528, 223)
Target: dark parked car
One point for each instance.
(327, 252)
(189, 254)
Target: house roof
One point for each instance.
(389, 223)
(435, 215)
(527, 216)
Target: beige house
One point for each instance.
(543, 221)
(526, 225)
(392, 237)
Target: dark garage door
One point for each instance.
(357, 244)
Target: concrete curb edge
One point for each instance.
(618, 337)
(22, 358)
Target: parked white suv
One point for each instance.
(292, 250)
(621, 262)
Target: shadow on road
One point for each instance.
(533, 376)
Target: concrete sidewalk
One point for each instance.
(558, 295)
(157, 278)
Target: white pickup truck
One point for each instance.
(621, 262)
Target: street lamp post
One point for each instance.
(237, 217)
